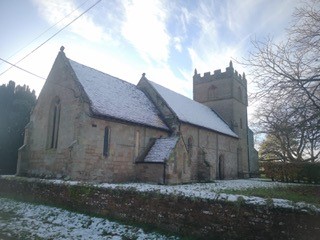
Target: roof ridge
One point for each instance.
(173, 91)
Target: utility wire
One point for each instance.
(15, 64)
(44, 33)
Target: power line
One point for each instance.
(15, 64)
(44, 33)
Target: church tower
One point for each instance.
(226, 93)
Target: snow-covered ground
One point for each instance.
(27, 221)
(215, 191)
(53, 223)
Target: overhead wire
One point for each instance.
(15, 64)
(48, 29)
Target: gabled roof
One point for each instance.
(112, 97)
(161, 150)
(192, 112)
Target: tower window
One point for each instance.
(240, 93)
(212, 92)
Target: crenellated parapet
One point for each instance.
(218, 75)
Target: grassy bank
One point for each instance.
(299, 193)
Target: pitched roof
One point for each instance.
(161, 149)
(113, 97)
(190, 111)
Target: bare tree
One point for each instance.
(292, 66)
(287, 77)
(291, 135)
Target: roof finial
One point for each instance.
(230, 64)
(61, 48)
(195, 71)
(143, 75)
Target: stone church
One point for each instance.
(88, 125)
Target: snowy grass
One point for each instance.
(218, 189)
(307, 193)
(27, 221)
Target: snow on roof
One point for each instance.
(161, 149)
(113, 97)
(190, 111)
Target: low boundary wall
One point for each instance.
(189, 217)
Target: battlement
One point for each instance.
(217, 75)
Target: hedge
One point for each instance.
(292, 172)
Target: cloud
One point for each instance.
(177, 44)
(259, 17)
(145, 29)
(226, 27)
(209, 51)
(64, 11)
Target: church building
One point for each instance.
(90, 126)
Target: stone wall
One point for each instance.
(150, 172)
(208, 148)
(85, 160)
(37, 156)
(189, 217)
(119, 164)
(178, 166)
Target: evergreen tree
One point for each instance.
(16, 103)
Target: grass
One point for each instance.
(301, 193)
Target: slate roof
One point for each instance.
(161, 150)
(113, 97)
(192, 112)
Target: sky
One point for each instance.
(165, 39)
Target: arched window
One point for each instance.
(221, 167)
(190, 146)
(106, 142)
(54, 123)
(137, 144)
